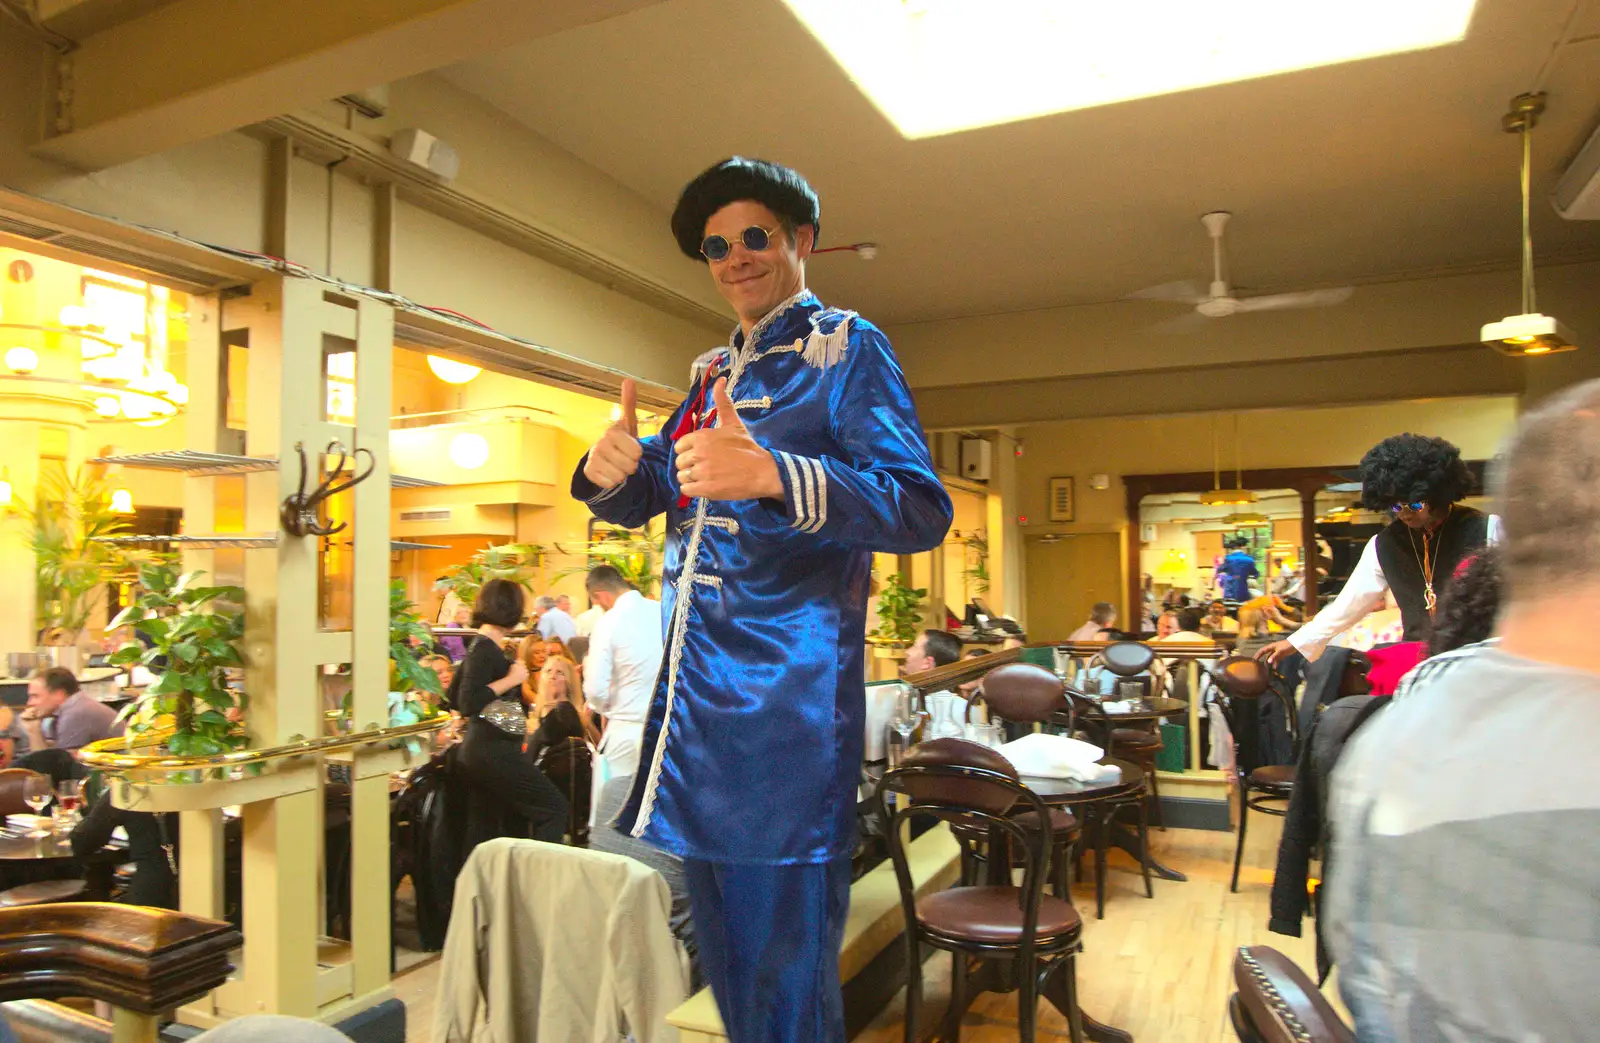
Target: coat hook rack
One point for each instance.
(301, 514)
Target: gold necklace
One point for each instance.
(1427, 562)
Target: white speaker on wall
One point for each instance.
(425, 150)
(977, 459)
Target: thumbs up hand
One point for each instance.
(724, 462)
(616, 456)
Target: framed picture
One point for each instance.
(1061, 504)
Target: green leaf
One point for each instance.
(186, 652)
(168, 683)
(127, 655)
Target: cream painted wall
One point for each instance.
(444, 264)
(1268, 438)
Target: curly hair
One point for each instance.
(1470, 603)
(1410, 468)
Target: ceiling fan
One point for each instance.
(1219, 302)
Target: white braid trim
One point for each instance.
(824, 350)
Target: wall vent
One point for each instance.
(426, 514)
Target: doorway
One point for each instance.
(1066, 576)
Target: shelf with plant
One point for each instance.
(67, 524)
(193, 634)
(636, 554)
(899, 612)
(518, 562)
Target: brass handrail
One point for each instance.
(103, 753)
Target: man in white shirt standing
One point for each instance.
(551, 621)
(1418, 481)
(585, 621)
(619, 673)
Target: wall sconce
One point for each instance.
(121, 502)
(469, 451)
(22, 361)
(452, 372)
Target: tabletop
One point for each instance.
(1147, 710)
(55, 847)
(1067, 792)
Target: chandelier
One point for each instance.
(116, 343)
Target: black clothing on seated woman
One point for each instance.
(510, 796)
(60, 765)
(154, 883)
(562, 722)
(559, 750)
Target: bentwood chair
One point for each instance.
(1023, 693)
(1277, 1002)
(1134, 663)
(1266, 788)
(1037, 935)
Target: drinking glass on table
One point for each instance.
(906, 717)
(36, 793)
(69, 797)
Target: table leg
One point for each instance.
(1127, 840)
(1055, 991)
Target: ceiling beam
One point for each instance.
(192, 69)
(1443, 372)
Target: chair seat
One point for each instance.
(1273, 776)
(993, 915)
(1062, 822)
(1135, 739)
(42, 893)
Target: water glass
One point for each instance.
(36, 793)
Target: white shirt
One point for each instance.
(619, 674)
(556, 623)
(1362, 595)
(584, 621)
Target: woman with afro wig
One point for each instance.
(1419, 482)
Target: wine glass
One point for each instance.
(906, 716)
(69, 796)
(36, 793)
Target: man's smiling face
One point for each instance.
(756, 281)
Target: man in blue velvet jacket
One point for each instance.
(797, 455)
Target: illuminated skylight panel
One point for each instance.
(939, 66)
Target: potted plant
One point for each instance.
(977, 571)
(899, 615)
(407, 675)
(193, 634)
(635, 556)
(72, 565)
(518, 562)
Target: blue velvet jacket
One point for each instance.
(752, 751)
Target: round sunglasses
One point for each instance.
(755, 239)
(1417, 507)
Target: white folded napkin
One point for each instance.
(1115, 707)
(1055, 757)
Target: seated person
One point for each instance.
(935, 648)
(1188, 631)
(1217, 620)
(61, 716)
(1167, 624)
(1465, 892)
(1102, 617)
(14, 743)
(607, 837)
(454, 646)
(1254, 630)
(556, 708)
(152, 848)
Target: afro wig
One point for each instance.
(1413, 468)
(779, 189)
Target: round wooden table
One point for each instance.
(55, 847)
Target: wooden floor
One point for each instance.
(1160, 968)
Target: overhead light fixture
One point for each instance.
(469, 451)
(939, 66)
(452, 372)
(1529, 333)
(1218, 496)
(1247, 518)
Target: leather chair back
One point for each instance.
(1278, 1003)
(11, 781)
(958, 790)
(1242, 677)
(1127, 658)
(1023, 693)
(1354, 679)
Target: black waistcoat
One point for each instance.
(1399, 555)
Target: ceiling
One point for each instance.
(1370, 171)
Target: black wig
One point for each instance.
(1470, 604)
(1413, 468)
(779, 189)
